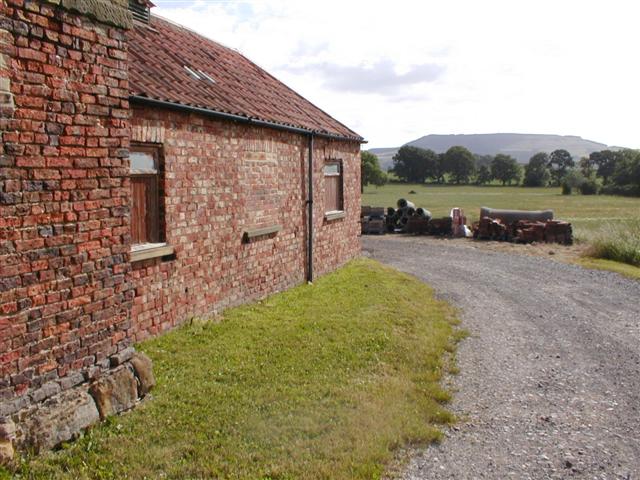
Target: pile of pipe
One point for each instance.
(398, 219)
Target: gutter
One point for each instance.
(140, 100)
(310, 214)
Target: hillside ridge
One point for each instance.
(521, 146)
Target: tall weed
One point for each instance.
(617, 241)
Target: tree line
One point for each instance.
(607, 171)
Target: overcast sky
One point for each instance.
(396, 70)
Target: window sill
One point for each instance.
(249, 235)
(145, 251)
(335, 215)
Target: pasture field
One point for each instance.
(585, 212)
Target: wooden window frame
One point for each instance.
(337, 213)
(151, 180)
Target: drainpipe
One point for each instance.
(310, 213)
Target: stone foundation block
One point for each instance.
(7, 436)
(115, 393)
(6, 452)
(58, 419)
(143, 369)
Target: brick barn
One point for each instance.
(147, 175)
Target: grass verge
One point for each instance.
(628, 271)
(617, 242)
(322, 381)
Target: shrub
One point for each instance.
(619, 242)
(566, 189)
(624, 190)
(589, 187)
(573, 178)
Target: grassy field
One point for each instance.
(586, 213)
(322, 381)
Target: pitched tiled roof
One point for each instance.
(166, 59)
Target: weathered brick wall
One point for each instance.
(221, 179)
(336, 241)
(64, 294)
(67, 286)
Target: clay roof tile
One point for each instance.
(171, 63)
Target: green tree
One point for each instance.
(441, 168)
(536, 172)
(484, 175)
(460, 164)
(506, 169)
(483, 160)
(587, 166)
(560, 161)
(371, 173)
(414, 165)
(573, 178)
(627, 170)
(605, 163)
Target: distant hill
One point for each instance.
(521, 146)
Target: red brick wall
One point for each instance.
(64, 295)
(67, 286)
(336, 241)
(221, 179)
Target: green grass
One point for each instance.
(322, 381)
(619, 242)
(599, 264)
(585, 212)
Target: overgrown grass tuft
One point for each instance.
(618, 242)
(322, 381)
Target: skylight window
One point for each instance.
(199, 75)
(207, 76)
(192, 73)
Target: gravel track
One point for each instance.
(549, 383)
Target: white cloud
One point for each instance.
(395, 71)
(381, 77)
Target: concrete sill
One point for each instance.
(337, 215)
(146, 251)
(260, 232)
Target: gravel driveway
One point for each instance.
(549, 383)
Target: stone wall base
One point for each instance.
(64, 416)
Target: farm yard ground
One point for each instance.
(574, 254)
(585, 212)
(549, 382)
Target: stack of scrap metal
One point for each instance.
(490, 229)
(528, 232)
(409, 219)
(522, 226)
(440, 226)
(372, 220)
(418, 225)
(558, 232)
